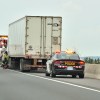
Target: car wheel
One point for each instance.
(52, 74)
(47, 74)
(81, 75)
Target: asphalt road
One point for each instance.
(15, 85)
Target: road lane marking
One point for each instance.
(67, 83)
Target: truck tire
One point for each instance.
(10, 63)
(22, 65)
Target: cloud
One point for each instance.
(72, 6)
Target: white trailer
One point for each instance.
(32, 39)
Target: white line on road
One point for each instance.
(83, 87)
(63, 82)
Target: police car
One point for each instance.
(65, 63)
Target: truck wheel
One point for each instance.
(10, 63)
(21, 65)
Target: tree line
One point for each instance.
(91, 60)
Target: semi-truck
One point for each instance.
(32, 39)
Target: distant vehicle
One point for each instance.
(3, 41)
(3, 44)
(65, 63)
(32, 39)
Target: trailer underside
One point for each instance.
(24, 64)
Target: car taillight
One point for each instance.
(78, 66)
(56, 62)
(81, 62)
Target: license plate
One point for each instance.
(69, 63)
(69, 68)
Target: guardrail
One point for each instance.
(92, 71)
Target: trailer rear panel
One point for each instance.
(37, 36)
(32, 40)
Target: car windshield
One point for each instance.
(68, 56)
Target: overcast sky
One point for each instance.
(81, 20)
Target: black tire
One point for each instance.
(81, 75)
(22, 65)
(52, 74)
(10, 63)
(47, 74)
